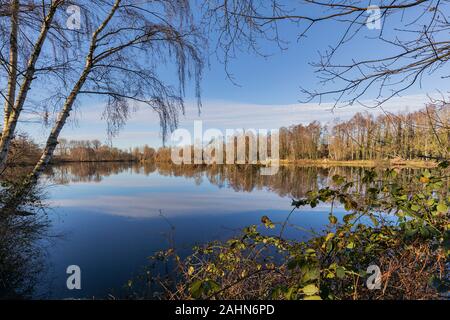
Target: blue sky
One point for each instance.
(267, 95)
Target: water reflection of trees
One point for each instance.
(87, 171)
(292, 181)
(21, 235)
(21, 259)
(22, 232)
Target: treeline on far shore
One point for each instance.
(25, 151)
(420, 135)
(95, 151)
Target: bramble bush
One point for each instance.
(402, 228)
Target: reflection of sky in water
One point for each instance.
(112, 226)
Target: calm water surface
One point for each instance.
(109, 218)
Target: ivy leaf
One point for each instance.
(329, 236)
(196, 289)
(442, 208)
(267, 222)
(310, 273)
(340, 272)
(332, 219)
(351, 245)
(310, 290)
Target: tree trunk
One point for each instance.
(9, 129)
(12, 76)
(52, 140)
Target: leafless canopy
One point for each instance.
(413, 34)
(141, 41)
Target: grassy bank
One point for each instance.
(361, 163)
(62, 161)
(298, 162)
(304, 162)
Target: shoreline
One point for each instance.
(90, 161)
(393, 163)
(362, 163)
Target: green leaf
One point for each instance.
(424, 232)
(289, 295)
(348, 217)
(196, 289)
(267, 222)
(312, 298)
(329, 236)
(329, 246)
(298, 203)
(310, 290)
(442, 207)
(211, 286)
(374, 220)
(409, 232)
(351, 245)
(332, 219)
(340, 272)
(310, 273)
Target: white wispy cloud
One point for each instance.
(143, 125)
(227, 114)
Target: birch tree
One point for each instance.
(14, 103)
(116, 54)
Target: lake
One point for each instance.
(108, 218)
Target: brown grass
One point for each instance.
(361, 163)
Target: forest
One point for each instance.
(420, 135)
